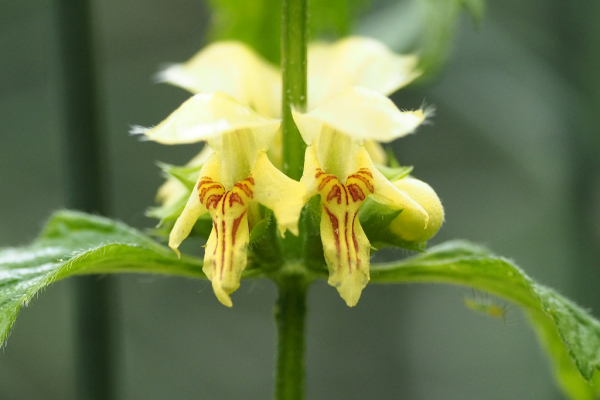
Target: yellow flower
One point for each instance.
(234, 68)
(233, 179)
(348, 115)
(338, 168)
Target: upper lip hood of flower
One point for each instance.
(206, 117)
(360, 113)
(356, 61)
(234, 68)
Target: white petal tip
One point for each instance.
(176, 75)
(163, 74)
(138, 130)
(428, 112)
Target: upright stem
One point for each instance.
(289, 314)
(294, 35)
(290, 310)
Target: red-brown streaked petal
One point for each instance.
(194, 207)
(225, 256)
(345, 245)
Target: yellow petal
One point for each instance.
(376, 152)
(275, 152)
(233, 68)
(409, 225)
(225, 256)
(349, 285)
(345, 245)
(274, 190)
(312, 167)
(221, 294)
(361, 114)
(193, 209)
(206, 117)
(356, 61)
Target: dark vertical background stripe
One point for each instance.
(85, 156)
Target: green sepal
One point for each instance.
(568, 333)
(394, 173)
(202, 227)
(168, 216)
(310, 222)
(375, 219)
(263, 249)
(188, 176)
(75, 243)
(167, 213)
(392, 160)
(260, 229)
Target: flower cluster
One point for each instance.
(236, 110)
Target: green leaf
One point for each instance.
(476, 8)
(333, 18)
(254, 22)
(569, 334)
(74, 243)
(258, 22)
(441, 18)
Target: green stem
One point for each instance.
(290, 309)
(294, 35)
(289, 314)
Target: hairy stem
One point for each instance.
(293, 65)
(290, 309)
(290, 312)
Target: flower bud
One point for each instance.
(409, 225)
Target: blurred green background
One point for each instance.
(512, 152)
